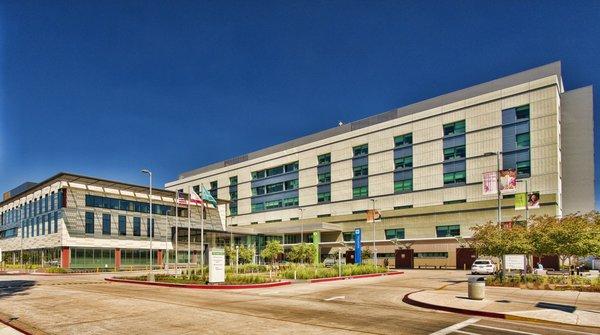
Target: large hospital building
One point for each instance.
(420, 166)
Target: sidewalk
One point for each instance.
(568, 307)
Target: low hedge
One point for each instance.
(539, 282)
(320, 271)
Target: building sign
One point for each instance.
(357, 247)
(514, 262)
(490, 183)
(508, 181)
(373, 215)
(533, 200)
(316, 240)
(216, 265)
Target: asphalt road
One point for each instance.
(86, 304)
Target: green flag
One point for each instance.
(206, 196)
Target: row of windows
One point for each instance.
(41, 205)
(275, 171)
(122, 225)
(267, 205)
(277, 187)
(398, 233)
(127, 205)
(41, 225)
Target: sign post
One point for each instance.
(216, 265)
(357, 246)
(514, 262)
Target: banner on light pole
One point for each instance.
(490, 183)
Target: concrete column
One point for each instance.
(117, 258)
(65, 258)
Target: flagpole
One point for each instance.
(176, 230)
(189, 229)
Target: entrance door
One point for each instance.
(465, 258)
(405, 259)
(350, 257)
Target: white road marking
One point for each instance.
(456, 327)
(549, 328)
(505, 329)
(335, 298)
(464, 332)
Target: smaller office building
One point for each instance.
(76, 221)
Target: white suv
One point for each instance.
(484, 267)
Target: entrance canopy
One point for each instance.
(286, 228)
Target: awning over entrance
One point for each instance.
(286, 229)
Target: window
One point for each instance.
(458, 177)
(258, 190)
(122, 225)
(294, 219)
(291, 184)
(454, 128)
(403, 162)
(324, 197)
(523, 169)
(258, 174)
(258, 207)
(105, 224)
(89, 222)
(56, 222)
(52, 201)
(273, 204)
(324, 177)
(233, 210)
(523, 140)
(403, 140)
(214, 189)
(431, 255)
(324, 159)
(360, 171)
(275, 171)
(150, 227)
(401, 186)
(323, 215)
(233, 195)
(455, 152)
(522, 112)
(391, 234)
(348, 236)
(361, 150)
(447, 231)
(137, 226)
(289, 202)
(233, 180)
(360, 192)
(275, 188)
(291, 167)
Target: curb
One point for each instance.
(17, 328)
(198, 286)
(321, 280)
(408, 300)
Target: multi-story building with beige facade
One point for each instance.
(84, 222)
(421, 166)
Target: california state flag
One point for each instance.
(195, 198)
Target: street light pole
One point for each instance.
(151, 225)
(167, 240)
(374, 250)
(301, 226)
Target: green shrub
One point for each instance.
(56, 270)
(320, 271)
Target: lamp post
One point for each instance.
(151, 225)
(301, 226)
(374, 250)
(167, 240)
(497, 154)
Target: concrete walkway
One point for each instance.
(568, 307)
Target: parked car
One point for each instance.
(483, 267)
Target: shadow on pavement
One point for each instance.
(15, 287)
(564, 308)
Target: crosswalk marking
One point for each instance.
(455, 327)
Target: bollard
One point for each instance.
(476, 288)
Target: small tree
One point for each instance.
(230, 253)
(246, 254)
(366, 253)
(302, 252)
(272, 250)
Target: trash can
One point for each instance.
(476, 288)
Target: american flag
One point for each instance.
(181, 198)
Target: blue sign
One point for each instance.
(357, 247)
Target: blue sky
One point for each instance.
(107, 88)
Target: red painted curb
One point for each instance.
(407, 299)
(19, 329)
(321, 280)
(201, 287)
